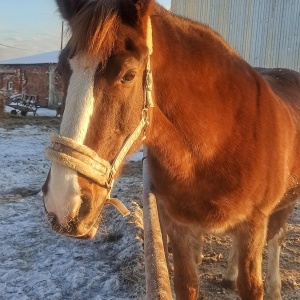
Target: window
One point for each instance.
(10, 86)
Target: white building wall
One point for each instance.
(265, 32)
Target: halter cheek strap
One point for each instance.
(69, 153)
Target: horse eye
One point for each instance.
(128, 77)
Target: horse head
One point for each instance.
(105, 69)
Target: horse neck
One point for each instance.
(192, 118)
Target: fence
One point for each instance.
(157, 275)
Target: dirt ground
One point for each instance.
(12, 122)
(216, 248)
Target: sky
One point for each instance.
(29, 27)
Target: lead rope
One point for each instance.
(84, 160)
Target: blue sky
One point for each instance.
(28, 27)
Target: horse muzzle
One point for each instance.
(82, 221)
(76, 212)
(73, 228)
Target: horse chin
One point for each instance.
(89, 235)
(78, 232)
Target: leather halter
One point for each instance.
(69, 153)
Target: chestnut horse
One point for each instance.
(223, 141)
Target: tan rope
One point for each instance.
(149, 41)
(117, 204)
(127, 145)
(86, 151)
(84, 160)
(149, 80)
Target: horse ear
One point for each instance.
(135, 12)
(69, 8)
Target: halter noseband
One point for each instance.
(69, 153)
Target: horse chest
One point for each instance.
(214, 204)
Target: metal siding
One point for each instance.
(265, 32)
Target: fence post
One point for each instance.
(157, 275)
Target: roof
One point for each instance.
(43, 58)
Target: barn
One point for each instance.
(32, 75)
(265, 32)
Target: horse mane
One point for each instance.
(94, 28)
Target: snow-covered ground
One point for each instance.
(41, 112)
(35, 262)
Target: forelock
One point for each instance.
(94, 28)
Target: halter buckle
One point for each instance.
(110, 180)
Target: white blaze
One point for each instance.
(63, 197)
(273, 278)
(80, 99)
(231, 273)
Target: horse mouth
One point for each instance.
(74, 228)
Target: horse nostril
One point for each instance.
(56, 226)
(85, 207)
(53, 221)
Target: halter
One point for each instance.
(69, 153)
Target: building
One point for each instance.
(32, 75)
(265, 32)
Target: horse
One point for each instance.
(223, 138)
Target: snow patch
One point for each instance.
(37, 263)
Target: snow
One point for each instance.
(37, 263)
(138, 156)
(43, 58)
(42, 112)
